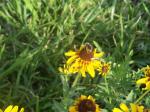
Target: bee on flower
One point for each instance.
(12, 108)
(85, 104)
(85, 60)
(125, 108)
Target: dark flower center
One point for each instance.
(86, 53)
(142, 86)
(104, 69)
(86, 106)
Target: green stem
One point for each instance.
(76, 80)
(106, 84)
(145, 93)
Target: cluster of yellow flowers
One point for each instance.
(85, 60)
(88, 60)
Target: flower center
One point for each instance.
(86, 52)
(86, 106)
(104, 69)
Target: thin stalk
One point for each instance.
(106, 84)
(76, 80)
(142, 96)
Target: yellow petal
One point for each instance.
(98, 55)
(140, 108)
(22, 110)
(15, 109)
(71, 59)
(97, 108)
(147, 85)
(91, 70)
(136, 108)
(142, 80)
(133, 107)
(96, 63)
(70, 53)
(72, 109)
(117, 110)
(91, 98)
(1, 110)
(9, 108)
(83, 97)
(83, 72)
(124, 107)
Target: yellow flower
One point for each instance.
(146, 71)
(85, 104)
(104, 68)
(124, 108)
(12, 108)
(64, 70)
(145, 82)
(84, 60)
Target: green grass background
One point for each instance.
(34, 34)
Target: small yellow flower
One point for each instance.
(104, 68)
(85, 104)
(64, 70)
(146, 71)
(12, 108)
(145, 82)
(84, 60)
(124, 108)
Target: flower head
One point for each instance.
(145, 82)
(85, 104)
(133, 108)
(104, 68)
(146, 71)
(12, 108)
(83, 60)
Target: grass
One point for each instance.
(35, 34)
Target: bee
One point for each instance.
(88, 47)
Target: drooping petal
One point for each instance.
(91, 70)
(83, 72)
